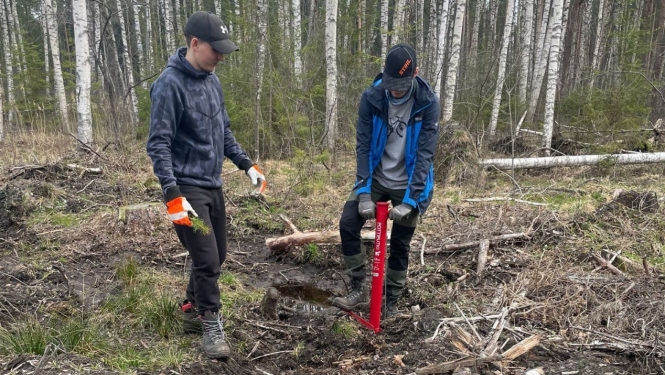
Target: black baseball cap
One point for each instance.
(400, 66)
(210, 28)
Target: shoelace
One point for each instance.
(215, 329)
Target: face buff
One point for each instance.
(403, 99)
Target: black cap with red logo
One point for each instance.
(400, 67)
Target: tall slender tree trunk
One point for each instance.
(148, 36)
(2, 114)
(437, 76)
(168, 26)
(139, 44)
(421, 26)
(9, 66)
(19, 35)
(525, 55)
(473, 47)
(297, 42)
(540, 62)
(384, 27)
(129, 67)
(398, 23)
(598, 40)
(262, 32)
(503, 56)
(57, 69)
(432, 41)
(455, 53)
(331, 73)
(83, 73)
(552, 74)
(585, 42)
(47, 56)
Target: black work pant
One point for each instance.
(351, 223)
(208, 252)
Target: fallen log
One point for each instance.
(278, 244)
(573, 161)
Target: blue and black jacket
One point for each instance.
(421, 138)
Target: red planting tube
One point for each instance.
(378, 265)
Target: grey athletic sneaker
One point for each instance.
(357, 296)
(214, 343)
(190, 318)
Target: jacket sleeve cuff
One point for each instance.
(245, 165)
(171, 193)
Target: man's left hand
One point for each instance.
(401, 212)
(258, 179)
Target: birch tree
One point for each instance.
(331, 72)
(432, 41)
(129, 70)
(398, 22)
(47, 57)
(451, 80)
(595, 61)
(441, 47)
(139, 44)
(96, 56)
(19, 37)
(9, 66)
(262, 31)
(13, 45)
(541, 60)
(297, 61)
(552, 74)
(83, 73)
(525, 55)
(384, 27)
(503, 56)
(55, 54)
(168, 25)
(2, 114)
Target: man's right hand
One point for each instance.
(179, 210)
(366, 207)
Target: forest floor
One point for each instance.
(84, 293)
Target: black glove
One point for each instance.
(366, 208)
(400, 213)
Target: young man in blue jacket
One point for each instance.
(396, 136)
(190, 136)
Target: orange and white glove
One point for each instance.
(258, 179)
(179, 210)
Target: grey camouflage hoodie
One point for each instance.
(189, 128)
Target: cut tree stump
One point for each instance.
(270, 303)
(140, 212)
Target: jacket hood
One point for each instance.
(178, 61)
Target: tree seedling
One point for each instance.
(199, 225)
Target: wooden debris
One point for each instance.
(482, 257)
(449, 248)
(82, 169)
(605, 264)
(522, 347)
(535, 371)
(499, 199)
(140, 212)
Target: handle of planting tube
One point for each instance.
(378, 265)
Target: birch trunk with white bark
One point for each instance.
(541, 61)
(598, 40)
(148, 36)
(57, 69)
(437, 74)
(139, 45)
(9, 66)
(503, 56)
(525, 55)
(97, 45)
(432, 42)
(2, 114)
(383, 27)
(453, 64)
(421, 26)
(585, 43)
(297, 43)
(168, 26)
(129, 67)
(83, 72)
(574, 160)
(473, 49)
(262, 31)
(47, 56)
(331, 72)
(552, 74)
(398, 23)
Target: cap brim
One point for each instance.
(396, 84)
(224, 46)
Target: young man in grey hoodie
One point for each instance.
(190, 136)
